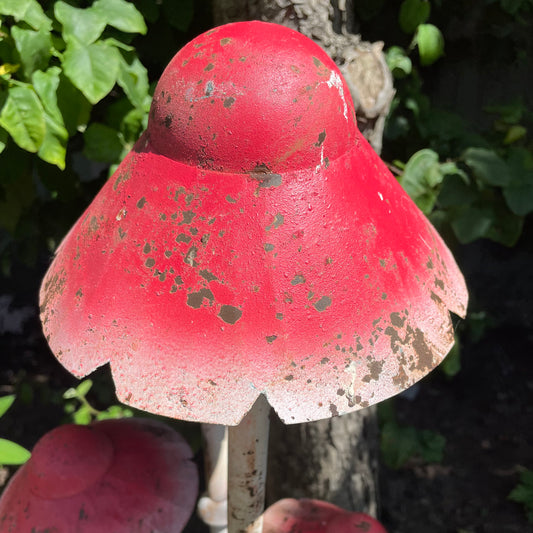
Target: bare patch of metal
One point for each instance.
(150, 262)
(297, 280)
(333, 409)
(230, 314)
(147, 248)
(190, 257)
(230, 199)
(264, 175)
(188, 217)
(322, 304)
(225, 41)
(207, 275)
(321, 138)
(209, 67)
(271, 338)
(183, 237)
(141, 202)
(196, 299)
(279, 219)
(228, 102)
(268, 247)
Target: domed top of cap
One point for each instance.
(252, 97)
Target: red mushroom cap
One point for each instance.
(114, 476)
(315, 516)
(252, 242)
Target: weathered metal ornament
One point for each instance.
(115, 475)
(252, 242)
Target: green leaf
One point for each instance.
(34, 48)
(12, 453)
(472, 223)
(23, 118)
(519, 192)
(123, 15)
(74, 106)
(54, 147)
(82, 416)
(398, 444)
(487, 166)
(5, 403)
(452, 362)
(523, 493)
(102, 143)
(133, 78)
(455, 192)
(430, 43)
(93, 69)
(412, 14)
(81, 25)
(398, 62)
(515, 133)
(28, 11)
(421, 177)
(84, 387)
(3, 139)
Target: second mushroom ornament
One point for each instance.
(252, 250)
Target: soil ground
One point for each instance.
(484, 412)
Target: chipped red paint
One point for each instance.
(243, 242)
(116, 475)
(316, 516)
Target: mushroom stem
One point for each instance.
(213, 506)
(247, 466)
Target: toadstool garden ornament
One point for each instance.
(118, 476)
(252, 250)
(316, 516)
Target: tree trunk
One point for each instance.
(336, 459)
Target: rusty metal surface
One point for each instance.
(252, 242)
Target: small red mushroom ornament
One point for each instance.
(315, 516)
(113, 476)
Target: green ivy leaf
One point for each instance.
(421, 178)
(102, 143)
(54, 147)
(133, 78)
(412, 14)
(5, 403)
(81, 25)
(455, 192)
(398, 62)
(93, 69)
(3, 139)
(23, 118)
(28, 11)
(12, 453)
(519, 192)
(84, 387)
(430, 43)
(487, 166)
(74, 106)
(34, 48)
(471, 223)
(451, 365)
(523, 493)
(122, 15)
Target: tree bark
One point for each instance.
(337, 459)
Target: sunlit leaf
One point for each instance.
(124, 15)
(23, 118)
(82, 25)
(430, 43)
(12, 453)
(28, 11)
(34, 48)
(93, 69)
(5, 403)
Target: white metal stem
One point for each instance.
(247, 467)
(213, 506)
